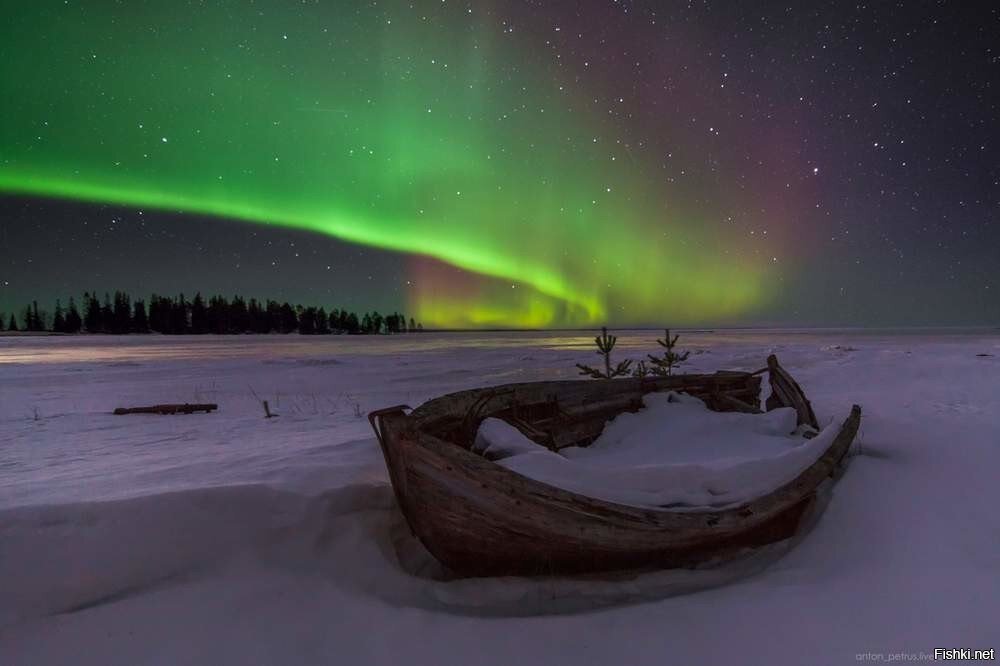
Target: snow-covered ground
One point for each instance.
(229, 538)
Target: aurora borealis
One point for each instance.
(576, 165)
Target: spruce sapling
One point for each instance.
(605, 343)
(642, 370)
(664, 365)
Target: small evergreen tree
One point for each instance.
(641, 370)
(605, 343)
(664, 365)
(2, 322)
(12, 324)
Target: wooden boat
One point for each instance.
(479, 518)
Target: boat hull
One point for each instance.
(479, 518)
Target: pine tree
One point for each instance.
(322, 328)
(28, 319)
(199, 316)
(216, 316)
(58, 320)
(605, 343)
(12, 324)
(140, 323)
(2, 322)
(258, 317)
(664, 365)
(413, 326)
(179, 313)
(92, 316)
(107, 315)
(159, 314)
(273, 316)
(239, 319)
(307, 320)
(121, 318)
(289, 321)
(73, 322)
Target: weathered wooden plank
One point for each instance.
(737, 405)
(786, 392)
(168, 409)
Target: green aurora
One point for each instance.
(432, 135)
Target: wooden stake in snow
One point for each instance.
(167, 409)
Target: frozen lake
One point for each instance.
(277, 540)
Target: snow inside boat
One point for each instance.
(514, 479)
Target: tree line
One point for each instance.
(176, 316)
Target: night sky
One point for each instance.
(510, 164)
